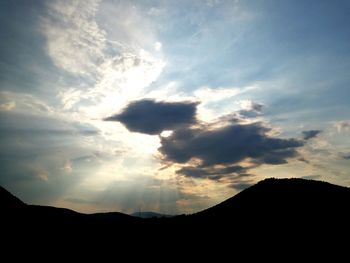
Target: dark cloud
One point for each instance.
(257, 106)
(228, 145)
(218, 150)
(302, 159)
(152, 117)
(310, 134)
(254, 110)
(346, 157)
(210, 173)
(249, 113)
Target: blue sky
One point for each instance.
(170, 106)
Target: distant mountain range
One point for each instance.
(149, 215)
(272, 206)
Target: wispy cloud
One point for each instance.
(342, 126)
(116, 72)
(68, 167)
(23, 102)
(310, 134)
(7, 106)
(74, 40)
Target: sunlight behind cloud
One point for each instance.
(120, 104)
(157, 46)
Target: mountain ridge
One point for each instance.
(293, 205)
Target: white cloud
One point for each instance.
(41, 174)
(112, 73)
(246, 104)
(249, 105)
(207, 94)
(23, 102)
(212, 3)
(157, 46)
(166, 133)
(74, 40)
(342, 125)
(122, 80)
(7, 106)
(69, 97)
(118, 72)
(216, 102)
(153, 11)
(68, 167)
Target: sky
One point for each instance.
(170, 106)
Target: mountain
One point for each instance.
(16, 213)
(287, 199)
(287, 217)
(149, 215)
(280, 207)
(9, 201)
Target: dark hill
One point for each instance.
(8, 201)
(280, 207)
(287, 199)
(149, 215)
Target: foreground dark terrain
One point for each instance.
(273, 207)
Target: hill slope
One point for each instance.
(8, 201)
(283, 198)
(149, 215)
(270, 204)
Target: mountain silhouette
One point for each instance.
(9, 201)
(149, 214)
(272, 207)
(284, 199)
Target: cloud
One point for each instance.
(312, 177)
(251, 106)
(7, 106)
(23, 102)
(74, 40)
(68, 167)
(210, 173)
(30, 125)
(77, 200)
(226, 153)
(41, 174)
(227, 145)
(240, 185)
(69, 97)
(250, 109)
(346, 156)
(343, 125)
(105, 67)
(152, 117)
(302, 159)
(212, 3)
(310, 134)
(207, 94)
(158, 46)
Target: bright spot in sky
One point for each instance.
(158, 46)
(166, 133)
